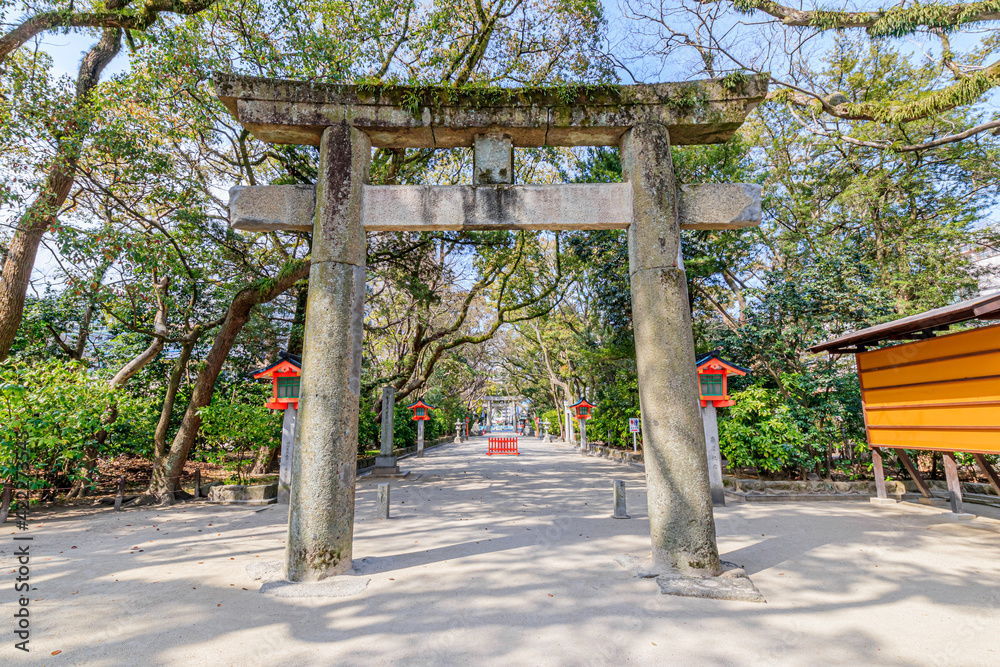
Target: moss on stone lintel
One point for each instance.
(420, 96)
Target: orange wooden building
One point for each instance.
(938, 393)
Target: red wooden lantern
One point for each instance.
(421, 410)
(713, 384)
(285, 377)
(583, 409)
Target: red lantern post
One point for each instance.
(285, 378)
(582, 410)
(713, 379)
(421, 413)
(713, 392)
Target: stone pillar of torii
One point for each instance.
(346, 122)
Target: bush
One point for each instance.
(52, 412)
(232, 432)
(761, 432)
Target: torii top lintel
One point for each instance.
(278, 111)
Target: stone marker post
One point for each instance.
(321, 505)
(681, 524)
(120, 494)
(583, 436)
(383, 501)
(711, 424)
(388, 425)
(388, 420)
(385, 462)
(287, 454)
(420, 438)
(568, 422)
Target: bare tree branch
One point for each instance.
(115, 15)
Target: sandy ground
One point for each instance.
(506, 560)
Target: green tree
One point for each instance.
(955, 67)
(162, 146)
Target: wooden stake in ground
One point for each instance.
(914, 473)
(879, 474)
(987, 469)
(954, 485)
(8, 490)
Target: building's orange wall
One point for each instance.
(940, 394)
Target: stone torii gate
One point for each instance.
(490, 400)
(347, 121)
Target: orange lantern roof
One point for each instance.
(713, 384)
(421, 410)
(285, 376)
(583, 408)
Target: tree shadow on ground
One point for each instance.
(512, 560)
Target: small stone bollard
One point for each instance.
(197, 483)
(619, 486)
(383, 501)
(120, 495)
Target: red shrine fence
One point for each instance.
(503, 446)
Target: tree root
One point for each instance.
(146, 499)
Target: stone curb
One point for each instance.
(242, 494)
(410, 451)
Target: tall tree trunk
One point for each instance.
(167, 471)
(264, 460)
(167, 411)
(42, 212)
(554, 382)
